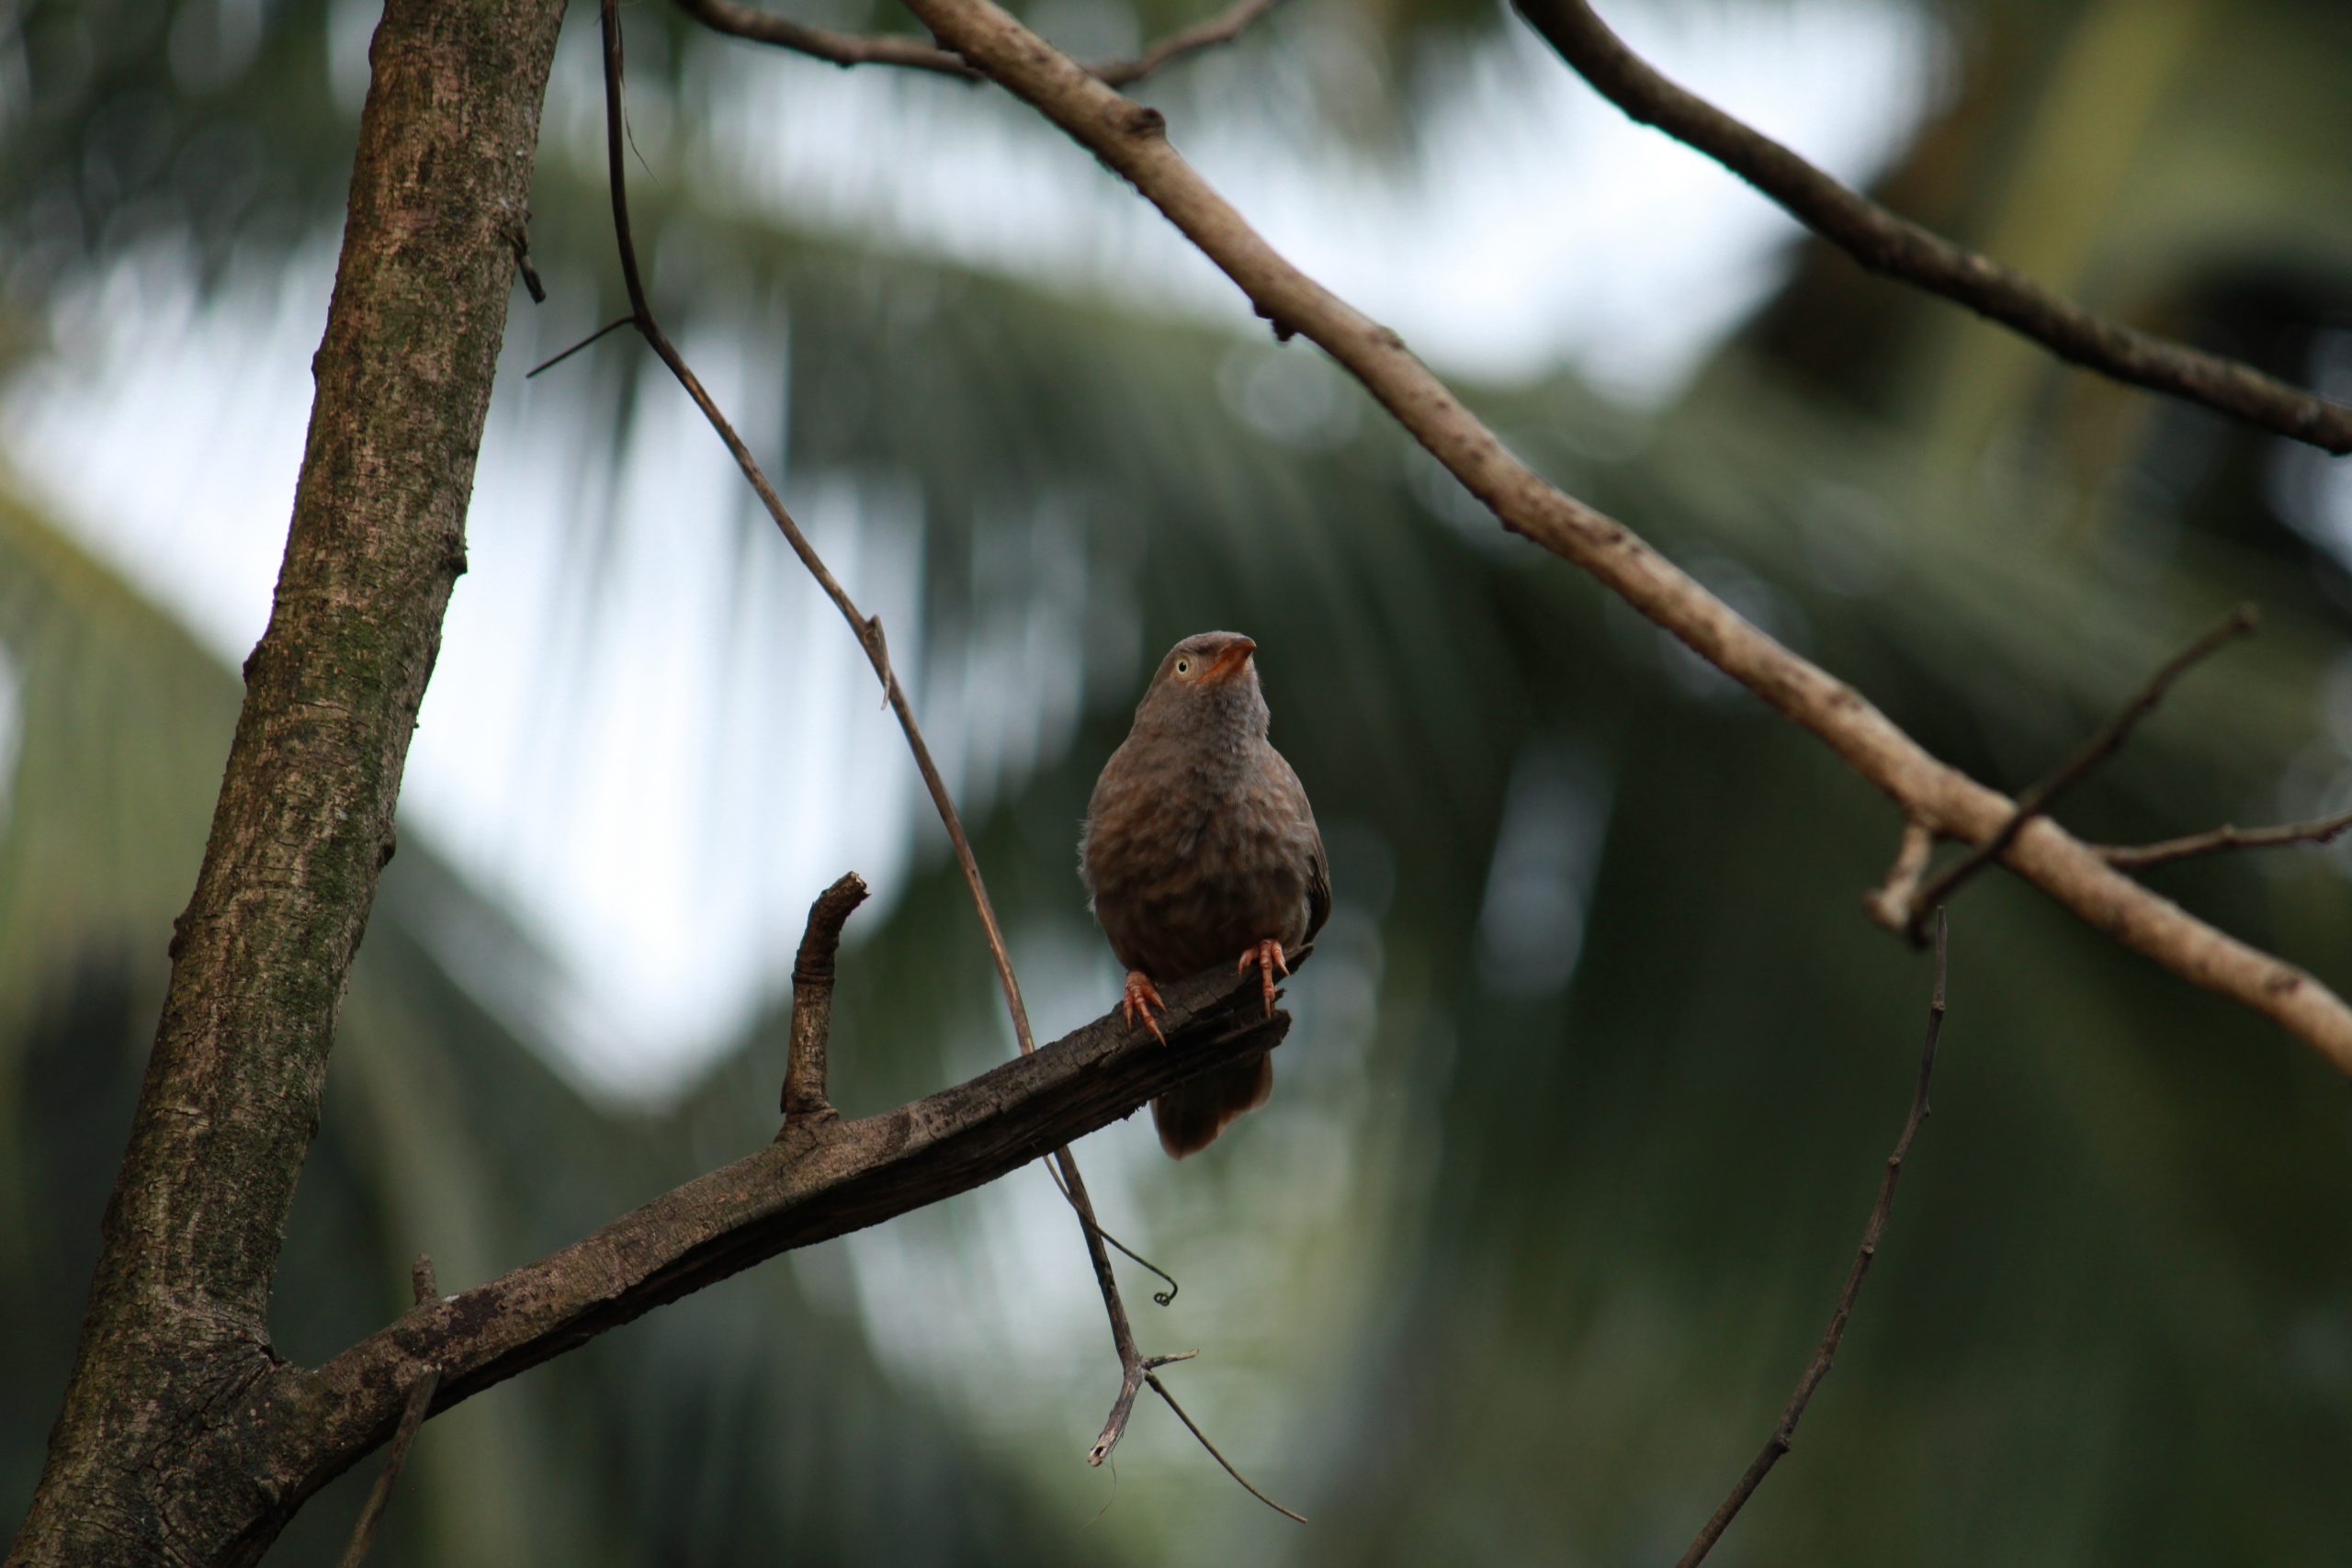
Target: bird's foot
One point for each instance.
(1141, 997)
(1267, 956)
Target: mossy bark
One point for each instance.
(176, 1336)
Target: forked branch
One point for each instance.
(1901, 249)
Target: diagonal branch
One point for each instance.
(840, 1177)
(838, 47)
(1132, 140)
(1901, 249)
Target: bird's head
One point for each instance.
(1209, 680)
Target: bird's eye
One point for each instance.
(1183, 666)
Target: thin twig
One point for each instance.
(1164, 1298)
(1222, 28)
(845, 49)
(612, 326)
(2140, 857)
(1785, 1432)
(868, 631)
(1161, 1389)
(813, 1002)
(363, 1533)
(424, 1288)
(1901, 249)
(2074, 769)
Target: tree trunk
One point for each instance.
(177, 1333)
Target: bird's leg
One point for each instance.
(1267, 956)
(1141, 997)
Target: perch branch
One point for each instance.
(2140, 857)
(846, 1176)
(868, 631)
(1901, 249)
(846, 49)
(1785, 1432)
(1132, 142)
(813, 1002)
(2074, 769)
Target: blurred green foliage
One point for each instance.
(1597, 1058)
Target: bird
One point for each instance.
(1199, 844)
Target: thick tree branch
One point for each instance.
(839, 48)
(177, 1318)
(1901, 249)
(310, 1426)
(1131, 139)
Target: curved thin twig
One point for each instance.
(1161, 1389)
(1901, 249)
(847, 49)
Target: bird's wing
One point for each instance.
(1318, 864)
(1318, 889)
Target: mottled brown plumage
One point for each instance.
(1199, 846)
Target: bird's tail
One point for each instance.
(1191, 1115)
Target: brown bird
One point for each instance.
(1199, 844)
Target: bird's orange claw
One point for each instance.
(1141, 997)
(1267, 956)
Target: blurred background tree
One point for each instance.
(1596, 1060)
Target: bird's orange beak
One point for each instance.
(1229, 663)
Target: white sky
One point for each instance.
(1537, 226)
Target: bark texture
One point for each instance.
(176, 1335)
